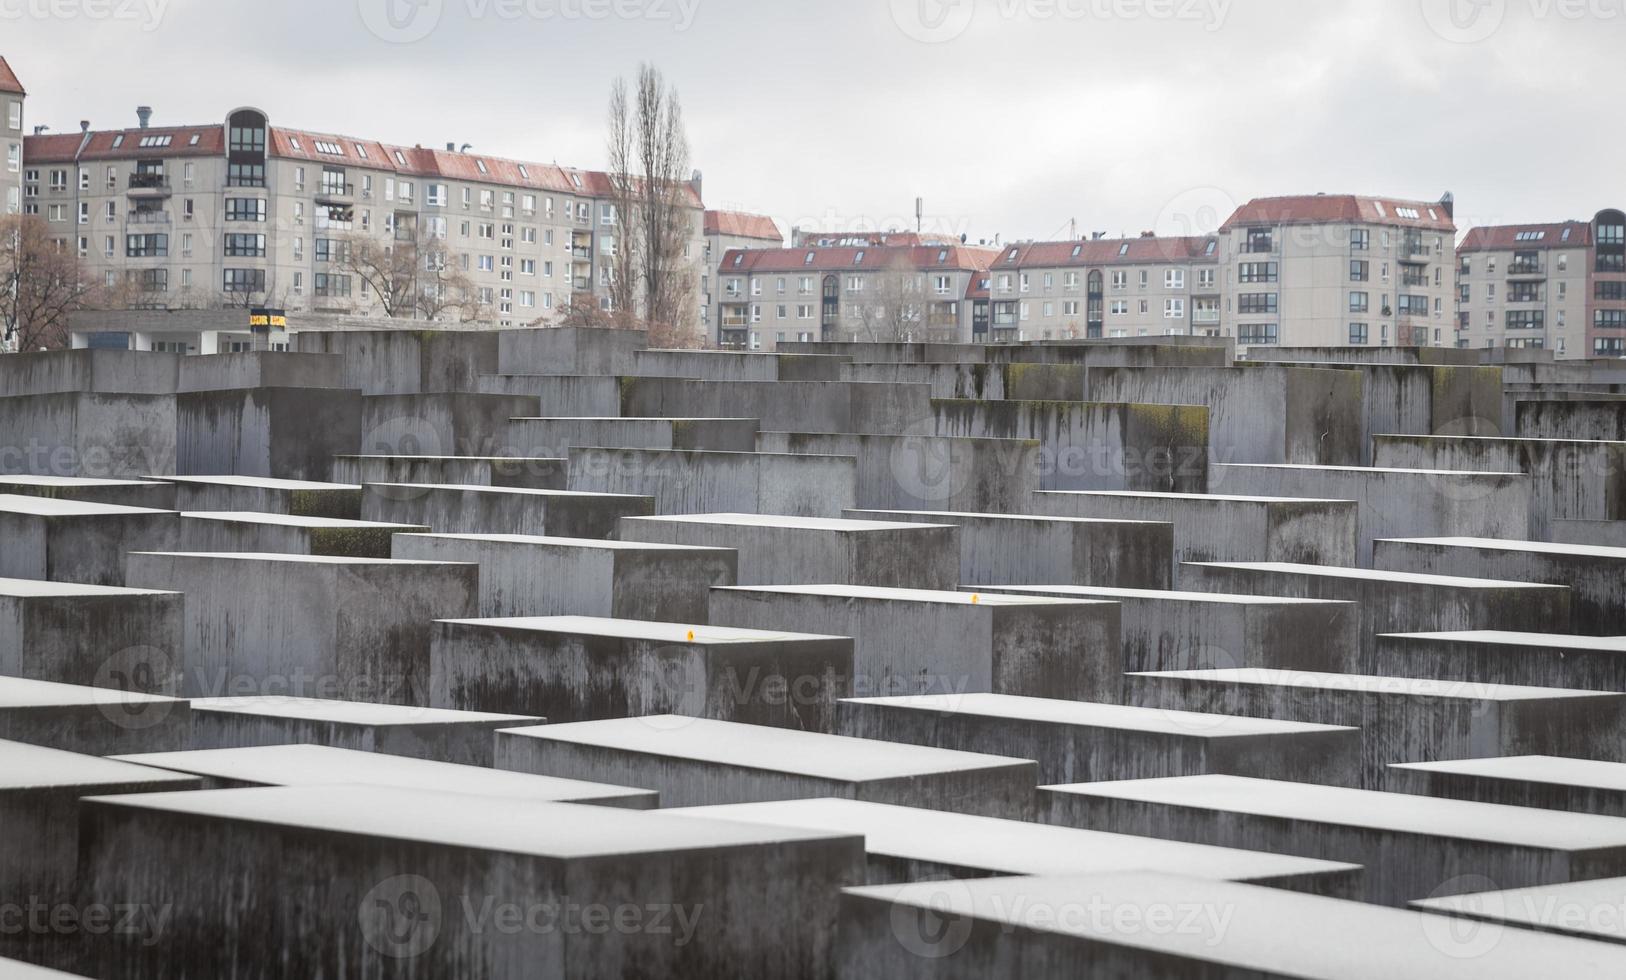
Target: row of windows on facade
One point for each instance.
(1530, 264)
(322, 285)
(1607, 290)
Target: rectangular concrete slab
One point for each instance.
(528, 575)
(579, 668)
(1547, 782)
(757, 901)
(1591, 663)
(815, 550)
(924, 472)
(1411, 846)
(683, 481)
(151, 494)
(91, 720)
(464, 509)
(908, 641)
(87, 434)
(1582, 909)
(1079, 740)
(910, 844)
(698, 761)
(531, 472)
(558, 436)
(997, 548)
(74, 541)
(262, 495)
(287, 433)
(462, 737)
(327, 765)
(243, 532)
(91, 634)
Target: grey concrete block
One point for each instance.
(462, 509)
(908, 641)
(1590, 663)
(263, 495)
(460, 423)
(1210, 630)
(326, 765)
(1215, 527)
(348, 628)
(69, 541)
(85, 434)
(91, 634)
(1594, 418)
(1144, 924)
(1595, 576)
(1079, 740)
(243, 532)
(1411, 846)
(1584, 910)
(260, 369)
(287, 433)
(152, 494)
(462, 737)
(569, 351)
(530, 472)
(1403, 719)
(517, 890)
(560, 395)
(578, 668)
(699, 761)
(784, 406)
(387, 362)
(688, 482)
(1430, 400)
(1544, 782)
(910, 844)
(91, 720)
(1610, 534)
(927, 472)
(1399, 503)
(816, 551)
(1006, 548)
(1396, 602)
(558, 436)
(85, 370)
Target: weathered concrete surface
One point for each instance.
(569, 351)
(461, 423)
(1003, 548)
(816, 551)
(1399, 503)
(1590, 419)
(1582, 909)
(696, 761)
(348, 628)
(242, 532)
(1396, 602)
(515, 891)
(1411, 846)
(102, 436)
(1213, 527)
(558, 436)
(522, 575)
(389, 362)
(579, 668)
(911, 844)
(715, 365)
(1428, 400)
(1366, 355)
(69, 541)
(1570, 480)
(1043, 928)
(326, 765)
(287, 433)
(1094, 445)
(107, 371)
(563, 396)
(529, 472)
(908, 642)
(1402, 719)
(91, 720)
(1595, 576)
(462, 737)
(688, 482)
(1256, 414)
(1210, 631)
(1590, 663)
(1608, 533)
(261, 495)
(453, 509)
(151, 494)
(927, 472)
(260, 369)
(1081, 741)
(1546, 782)
(785, 406)
(91, 634)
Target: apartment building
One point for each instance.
(1130, 287)
(1560, 286)
(1330, 270)
(11, 140)
(877, 293)
(244, 213)
(726, 231)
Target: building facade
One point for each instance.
(11, 140)
(1334, 270)
(871, 293)
(726, 231)
(1561, 286)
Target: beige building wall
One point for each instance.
(1525, 297)
(12, 121)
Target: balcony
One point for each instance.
(1525, 270)
(149, 185)
(148, 218)
(582, 253)
(335, 193)
(735, 321)
(582, 284)
(1205, 316)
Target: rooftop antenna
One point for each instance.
(920, 211)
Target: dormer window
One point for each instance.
(194, 140)
(400, 158)
(361, 151)
(1123, 249)
(481, 164)
(330, 148)
(809, 259)
(294, 142)
(523, 172)
(1012, 256)
(859, 258)
(1077, 249)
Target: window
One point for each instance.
(1256, 272)
(1359, 270)
(1174, 279)
(1526, 319)
(1359, 303)
(244, 281)
(1360, 240)
(245, 209)
(332, 250)
(1260, 240)
(1120, 307)
(245, 246)
(247, 139)
(1608, 319)
(1357, 333)
(148, 280)
(435, 195)
(1611, 290)
(14, 114)
(146, 246)
(245, 175)
(330, 148)
(326, 284)
(1174, 309)
(1256, 333)
(1256, 303)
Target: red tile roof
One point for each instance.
(853, 239)
(1307, 209)
(125, 144)
(923, 258)
(738, 224)
(1505, 238)
(1146, 250)
(8, 80)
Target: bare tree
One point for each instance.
(41, 282)
(652, 275)
(412, 277)
(892, 306)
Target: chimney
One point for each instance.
(40, 129)
(1449, 203)
(451, 147)
(84, 125)
(144, 113)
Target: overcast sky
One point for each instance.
(1009, 117)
